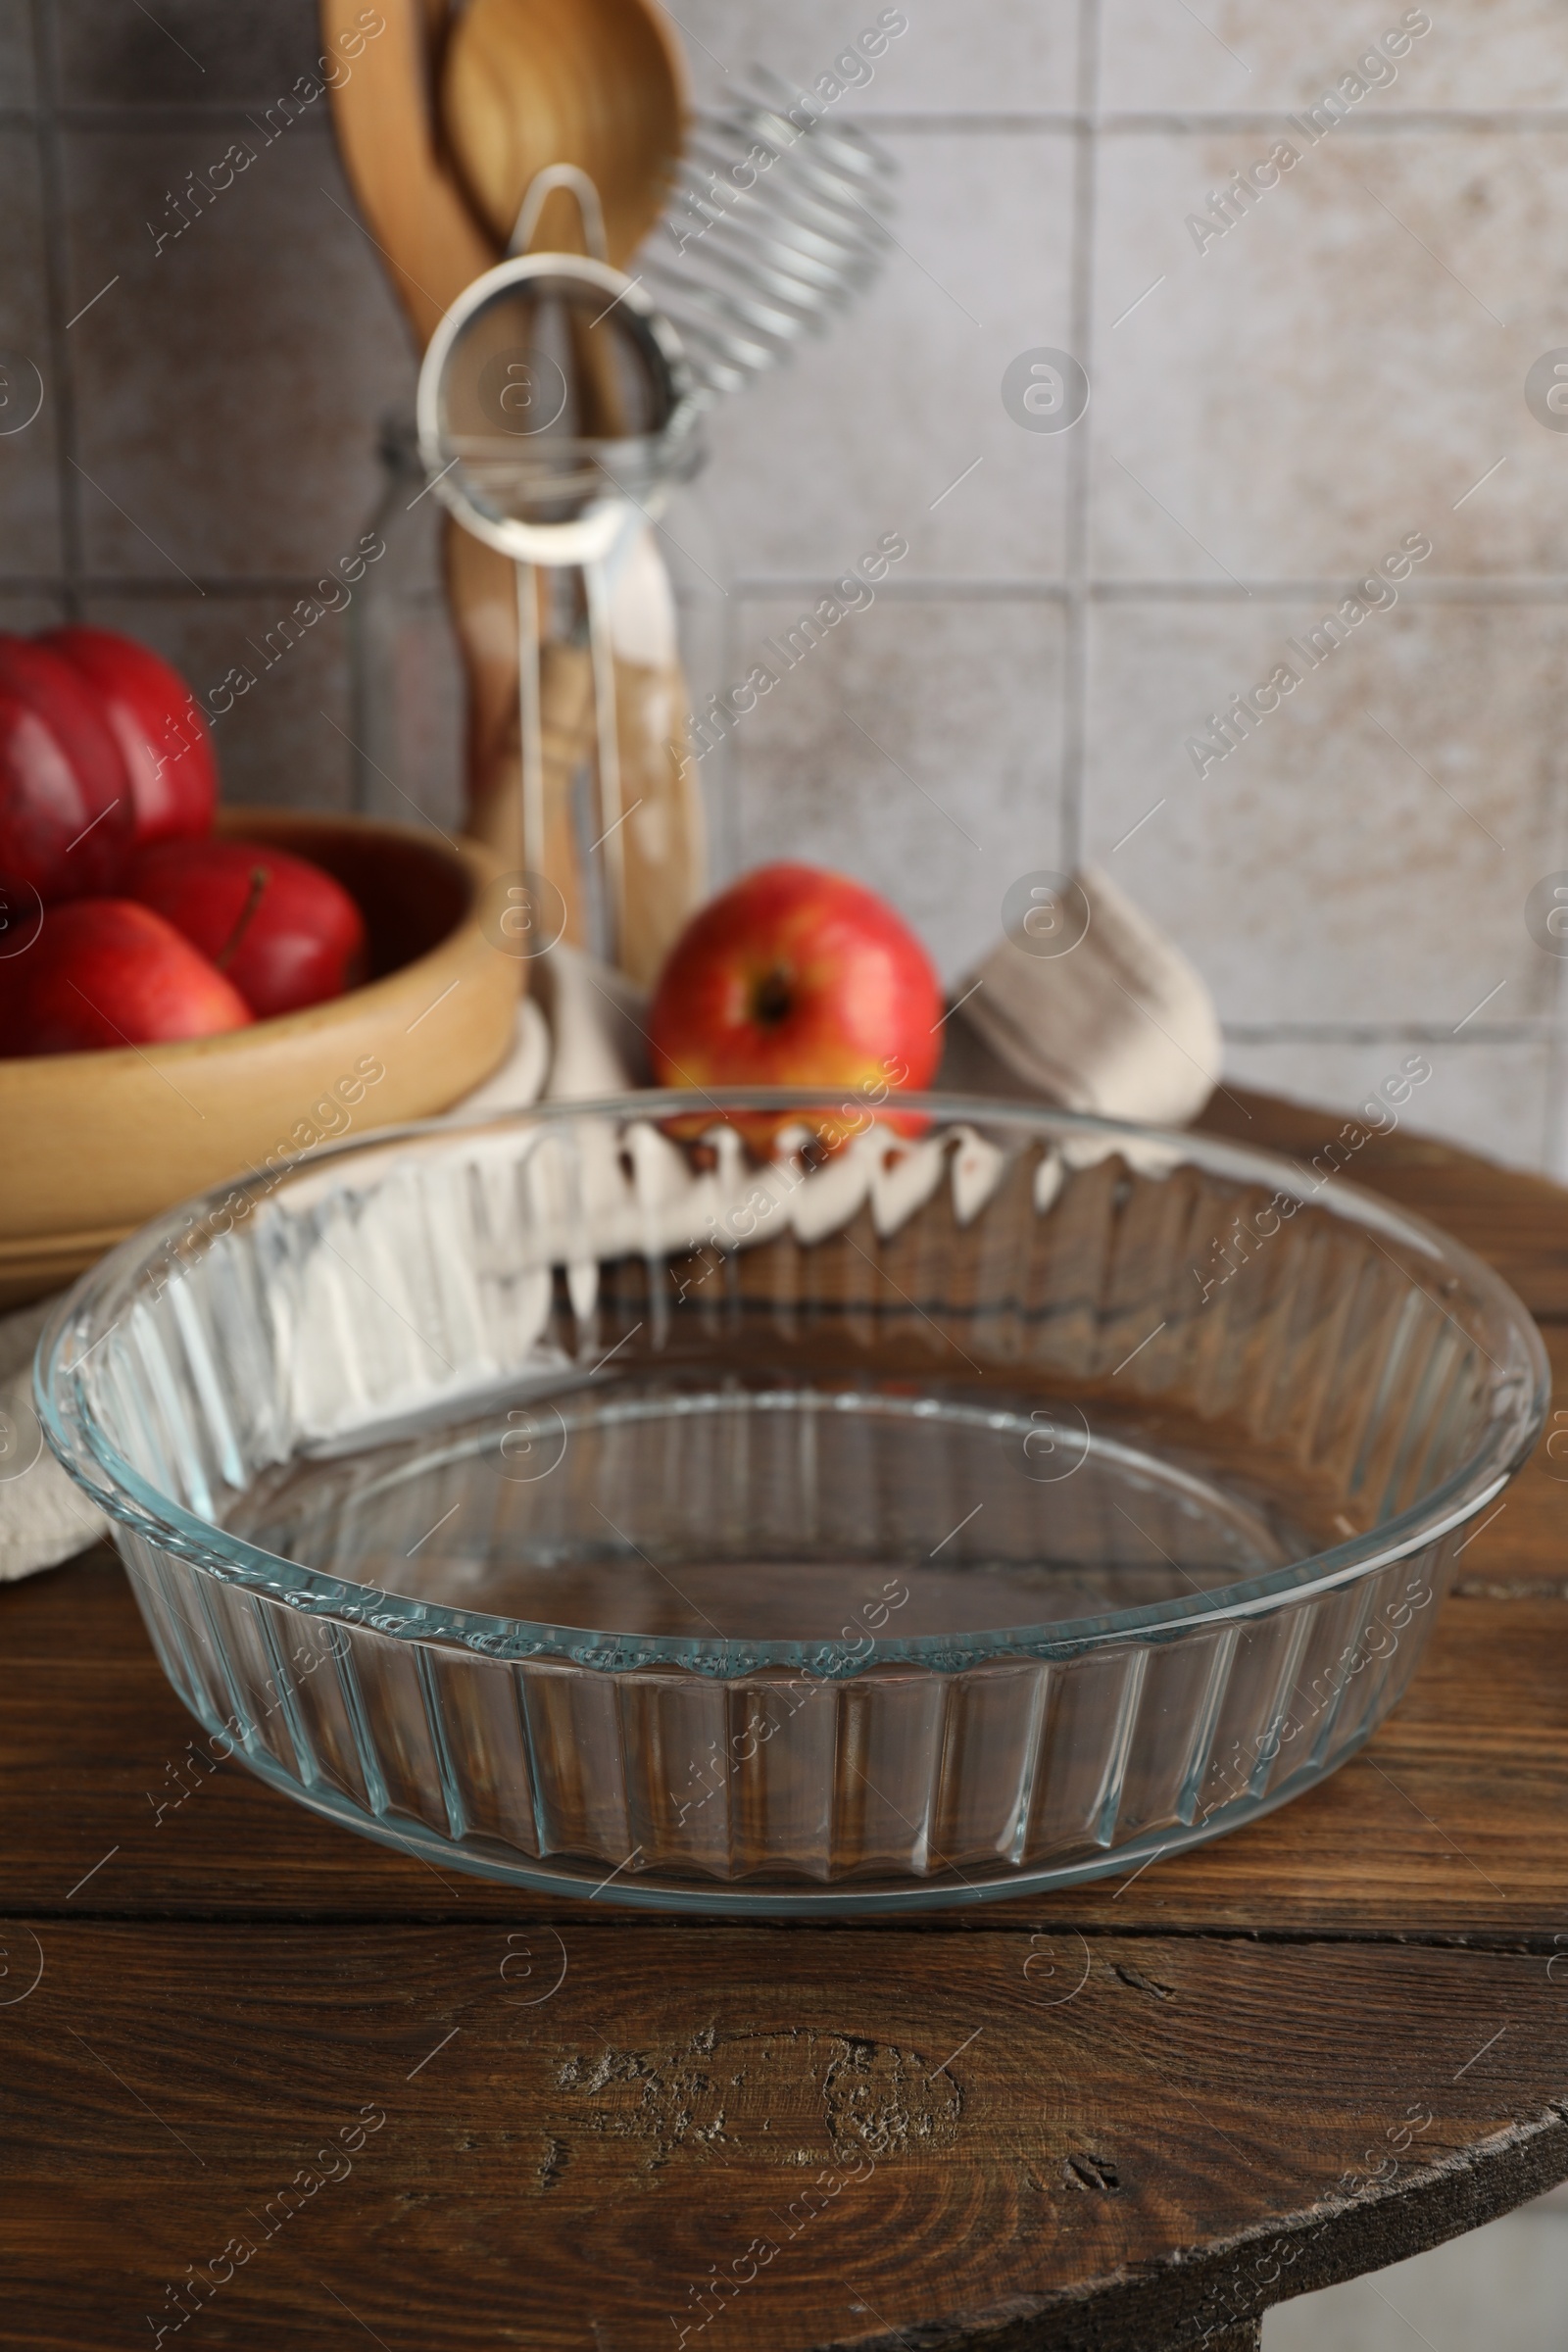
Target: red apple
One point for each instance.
(160, 729)
(103, 973)
(66, 810)
(286, 934)
(796, 977)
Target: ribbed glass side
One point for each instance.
(899, 1774)
(586, 1498)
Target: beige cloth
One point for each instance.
(44, 1516)
(1121, 1026)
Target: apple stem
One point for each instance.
(260, 877)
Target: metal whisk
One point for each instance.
(556, 409)
(776, 220)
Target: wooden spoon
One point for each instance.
(599, 83)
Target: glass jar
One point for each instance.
(669, 618)
(407, 692)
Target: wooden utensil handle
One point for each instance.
(663, 834)
(383, 114)
(483, 588)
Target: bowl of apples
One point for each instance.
(189, 993)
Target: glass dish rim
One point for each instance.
(77, 1441)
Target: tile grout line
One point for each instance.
(726, 823)
(51, 174)
(1441, 592)
(1542, 1031)
(1201, 122)
(732, 777)
(1075, 536)
(1554, 1135)
(156, 115)
(152, 116)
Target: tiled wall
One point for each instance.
(1270, 416)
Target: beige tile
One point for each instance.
(866, 430)
(278, 744)
(1231, 55)
(115, 53)
(1492, 1096)
(1318, 378)
(1321, 873)
(17, 82)
(229, 383)
(951, 791)
(29, 513)
(1014, 56)
(21, 615)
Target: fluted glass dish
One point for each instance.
(633, 1498)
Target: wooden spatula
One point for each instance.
(431, 242)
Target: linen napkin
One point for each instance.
(1116, 1023)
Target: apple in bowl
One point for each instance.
(108, 796)
(106, 972)
(285, 932)
(105, 1138)
(190, 992)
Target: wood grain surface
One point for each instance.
(264, 2084)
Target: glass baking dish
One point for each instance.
(636, 1498)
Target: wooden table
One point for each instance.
(359, 2100)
